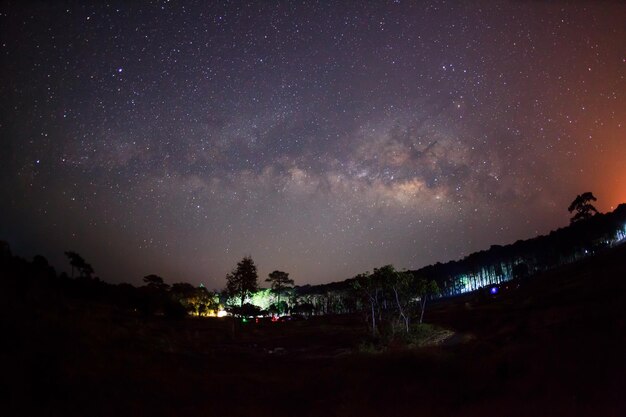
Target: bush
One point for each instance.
(370, 347)
(426, 334)
(247, 310)
(420, 335)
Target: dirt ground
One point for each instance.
(554, 346)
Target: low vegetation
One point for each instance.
(551, 346)
(547, 343)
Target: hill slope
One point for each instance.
(553, 346)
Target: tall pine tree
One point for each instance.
(242, 281)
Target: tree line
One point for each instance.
(589, 232)
(384, 297)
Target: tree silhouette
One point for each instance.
(5, 250)
(155, 282)
(280, 281)
(77, 262)
(425, 289)
(366, 288)
(242, 280)
(400, 284)
(583, 207)
(196, 300)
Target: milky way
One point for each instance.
(323, 139)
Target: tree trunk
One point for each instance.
(373, 319)
(402, 315)
(423, 305)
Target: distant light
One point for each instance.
(119, 70)
(222, 313)
(494, 290)
(244, 320)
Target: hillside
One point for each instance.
(502, 263)
(553, 346)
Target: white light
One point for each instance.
(222, 313)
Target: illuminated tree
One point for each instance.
(242, 281)
(280, 281)
(207, 301)
(261, 298)
(583, 207)
(195, 300)
(77, 262)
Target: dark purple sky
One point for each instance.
(323, 139)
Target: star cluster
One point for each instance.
(321, 138)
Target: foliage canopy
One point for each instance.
(243, 280)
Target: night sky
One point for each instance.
(321, 138)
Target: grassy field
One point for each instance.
(554, 346)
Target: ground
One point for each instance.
(549, 346)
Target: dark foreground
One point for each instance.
(556, 346)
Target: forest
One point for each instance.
(548, 341)
(385, 291)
